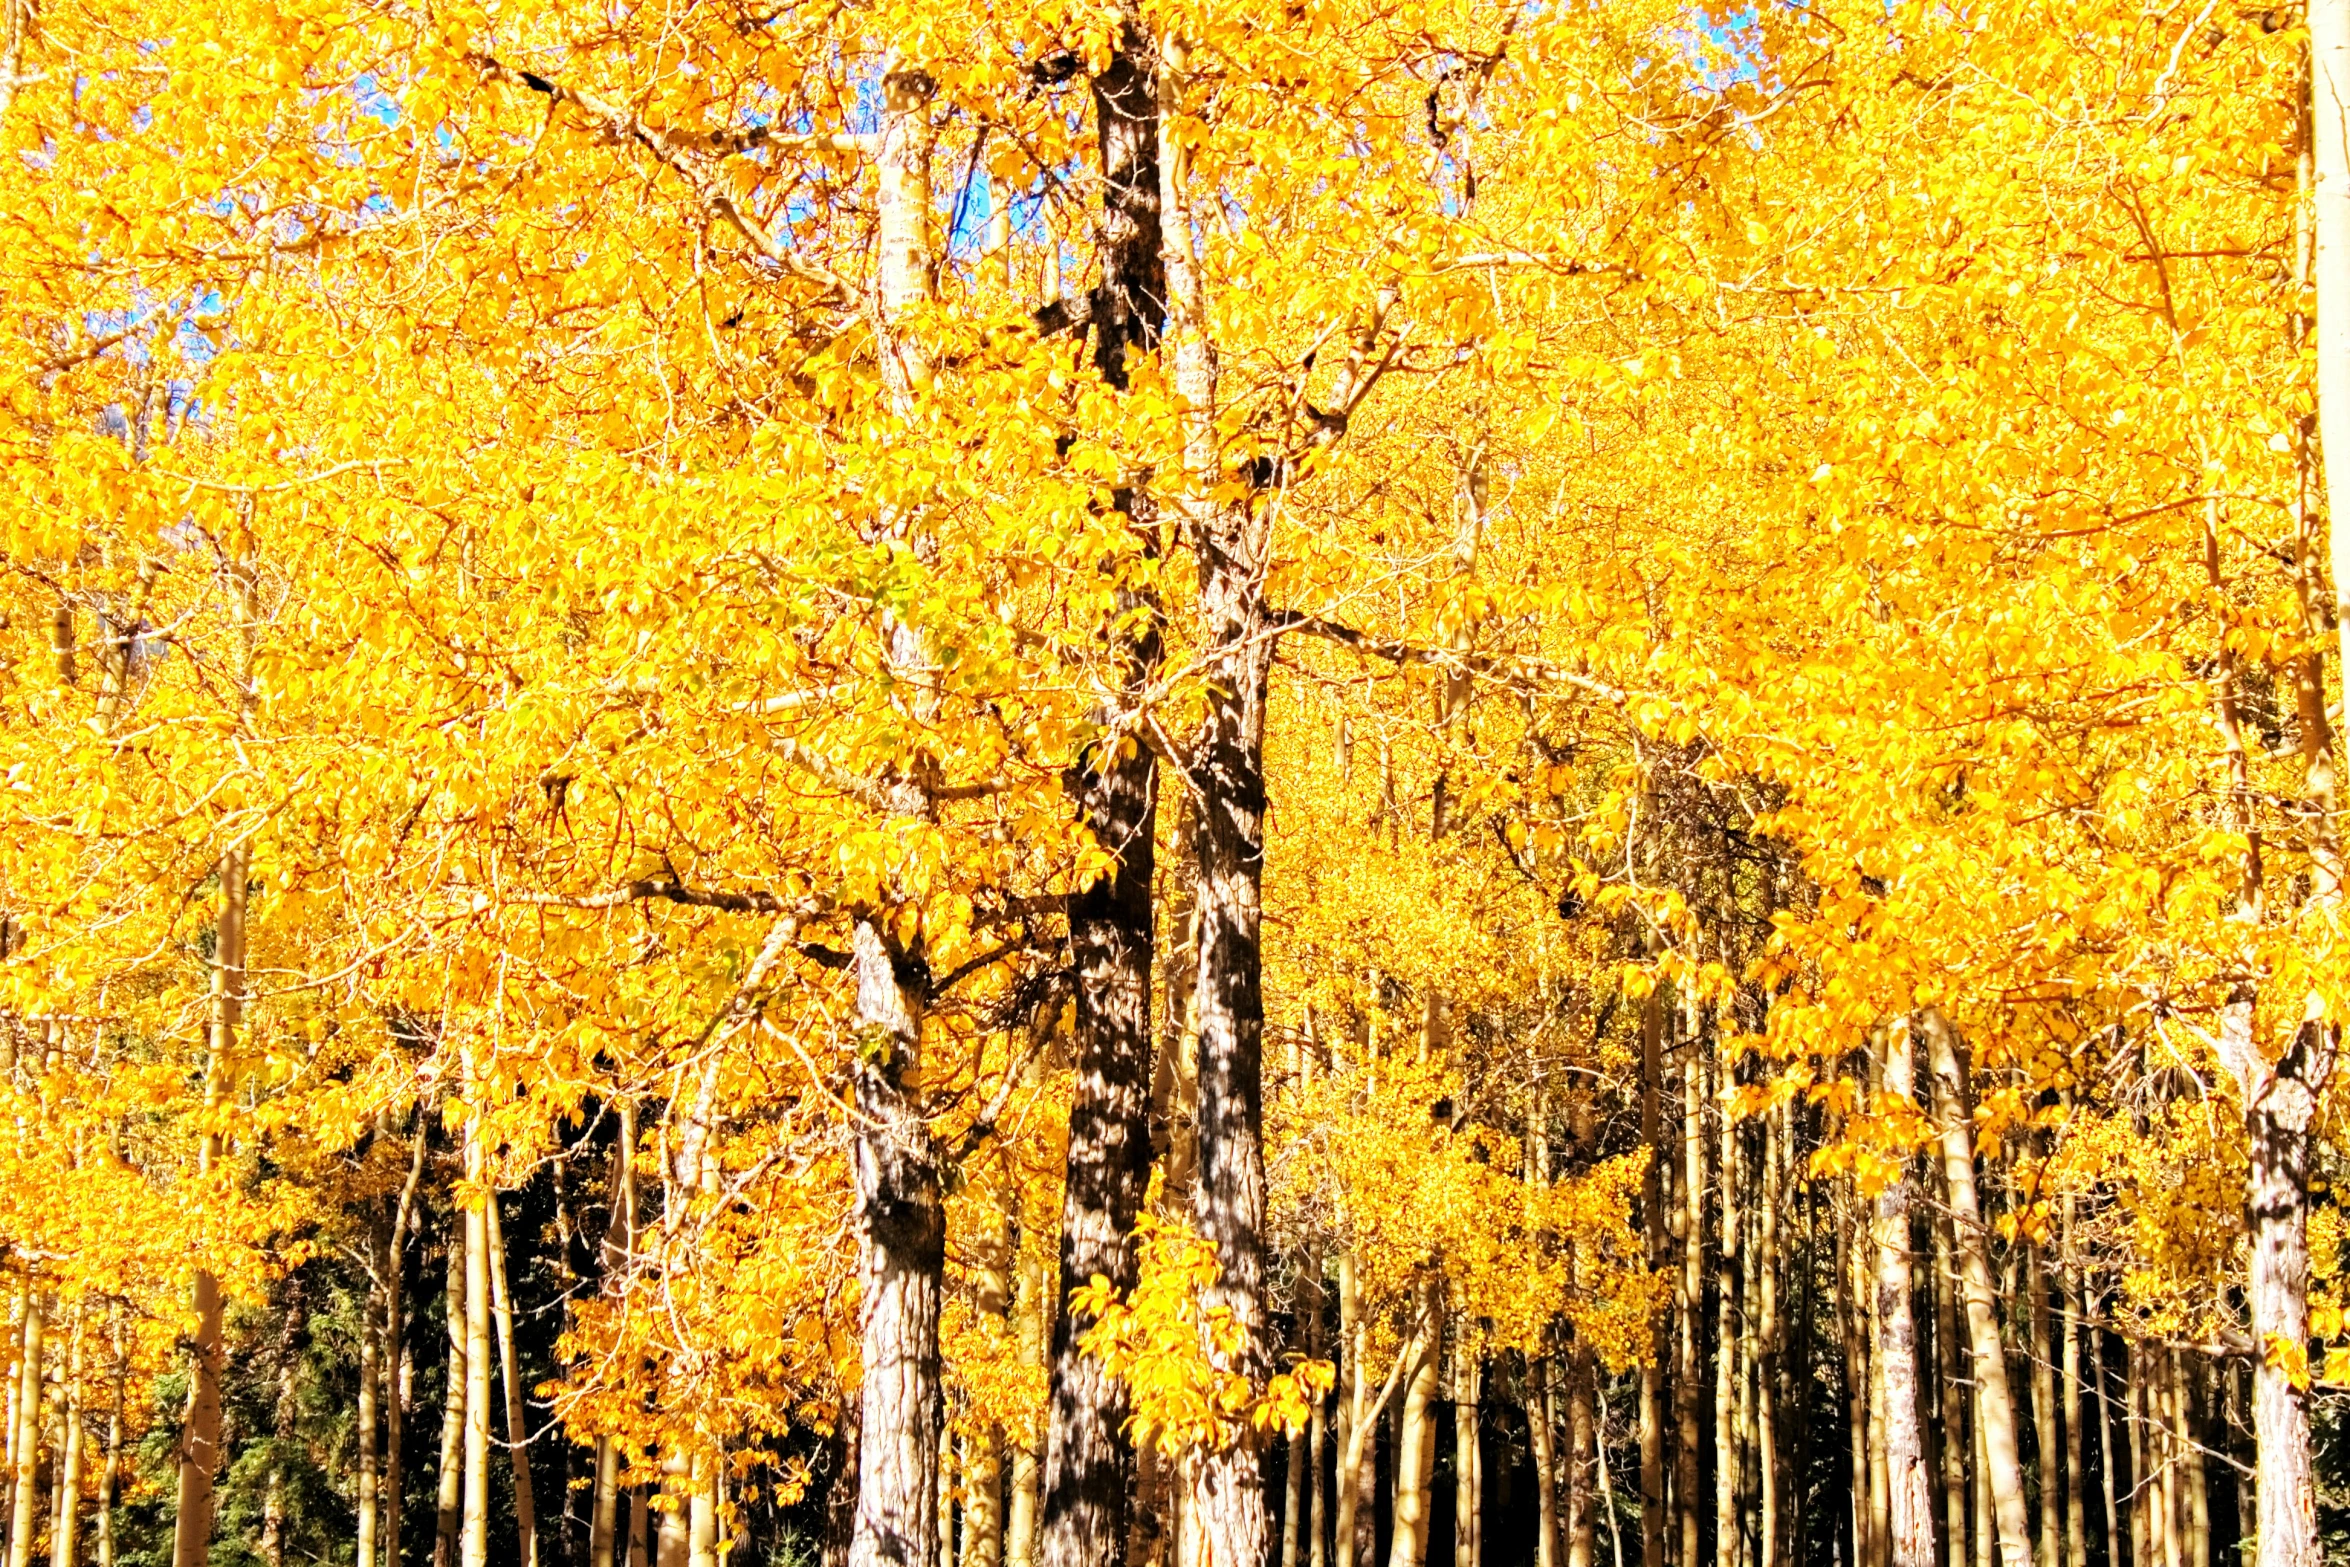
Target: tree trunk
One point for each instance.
(65, 1514)
(517, 1416)
(896, 1160)
(983, 1467)
(1767, 1336)
(364, 1425)
(1994, 1405)
(2195, 1480)
(1690, 1230)
(2107, 1451)
(618, 1247)
(474, 1534)
(1856, 1389)
(1415, 1436)
(393, 1361)
(199, 1443)
(2279, 1097)
(1228, 771)
(1582, 1527)
(1951, 1432)
(1089, 1461)
(2076, 1512)
(1543, 1439)
(2044, 1432)
(449, 1514)
(1909, 1486)
(1468, 1463)
(25, 1450)
(110, 1473)
(1654, 1236)
(904, 1226)
(1729, 1330)
(1026, 1501)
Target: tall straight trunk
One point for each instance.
(1415, 1436)
(65, 1513)
(1468, 1461)
(364, 1423)
(1582, 1526)
(618, 1247)
(474, 1533)
(2107, 1451)
(2195, 1480)
(2044, 1432)
(1728, 1329)
(2068, 1323)
(701, 1512)
(1985, 1539)
(1856, 1388)
(903, 1213)
(2279, 1097)
(1089, 1461)
(1690, 1298)
(392, 1359)
(1543, 1440)
(1024, 1504)
(25, 1449)
(1994, 1405)
(1768, 1335)
(110, 1469)
(1227, 765)
(983, 1467)
(517, 1417)
(199, 1442)
(1653, 1237)
(1951, 1433)
(448, 1515)
(1293, 1499)
(1353, 1524)
(1909, 1486)
(896, 1160)
(2145, 1463)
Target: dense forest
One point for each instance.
(1173, 783)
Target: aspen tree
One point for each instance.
(517, 1423)
(364, 1421)
(25, 1450)
(1415, 1434)
(617, 1248)
(1994, 1407)
(1088, 1468)
(1908, 1485)
(473, 1534)
(1468, 1463)
(199, 1445)
(2042, 1353)
(896, 1157)
(1950, 1427)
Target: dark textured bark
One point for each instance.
(1089, 1463)
(902, 1221)
(2280, 1102)
(1652, 1215)
(1229, 1004)
(1227, 768)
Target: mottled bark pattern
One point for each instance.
(1089, 1463)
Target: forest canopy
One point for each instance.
(1173, 783)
